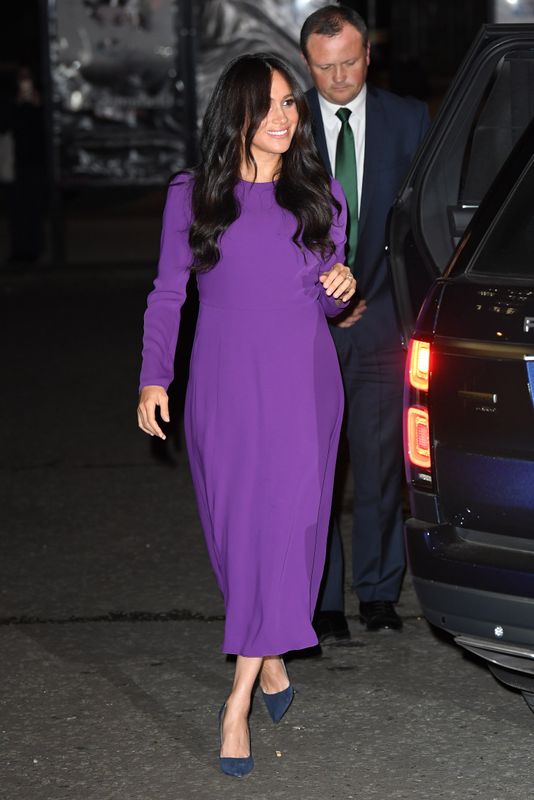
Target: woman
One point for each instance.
(263, 227)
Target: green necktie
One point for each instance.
(347, 176)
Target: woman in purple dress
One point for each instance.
(263, 227)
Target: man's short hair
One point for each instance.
(329, 21)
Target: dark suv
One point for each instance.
(462, 247)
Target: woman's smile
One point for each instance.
(282, 132)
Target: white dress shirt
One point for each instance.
(332, 126)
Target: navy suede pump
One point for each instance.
(278, 703)
(236, 767)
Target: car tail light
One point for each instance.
(419, 364)
(418, 437)
(417, 430)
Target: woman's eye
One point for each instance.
(290, 101)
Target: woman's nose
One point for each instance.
(280, 115)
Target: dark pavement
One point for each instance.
(111, 622)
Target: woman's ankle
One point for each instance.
(238, 703)
(235, 736)
(273, 676)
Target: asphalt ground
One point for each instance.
(111, 674)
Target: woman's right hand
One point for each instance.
(149, 398)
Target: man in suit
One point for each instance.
(367, 138)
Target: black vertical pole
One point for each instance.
(187, 61)
(48, 23)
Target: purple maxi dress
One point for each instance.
(263, 409)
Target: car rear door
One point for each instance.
(485, 111)
(481, 392)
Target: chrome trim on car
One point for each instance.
(496, 647)
(507, 656)
(470, 347)
(478, 397)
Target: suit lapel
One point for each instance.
(318, 128)
(374, 151)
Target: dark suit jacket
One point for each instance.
(394, 128)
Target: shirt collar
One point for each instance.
(357, 106)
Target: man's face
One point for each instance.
(338, 64)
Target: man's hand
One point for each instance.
(150, 397)
(356, 313)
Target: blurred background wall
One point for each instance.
(100, 100)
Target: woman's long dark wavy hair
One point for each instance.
(240, 101)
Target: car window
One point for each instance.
(504, 112)
(469, 157)
(508, 249)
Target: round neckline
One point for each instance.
(257, 183)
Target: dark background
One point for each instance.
(101, 167)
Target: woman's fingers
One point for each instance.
(343, 288)
(339, 282)
(146, 417)
(164, 408)
(331, 278)
(349, 290)
(142, 423)
(149, 399)
(149, 420)
(334, 278)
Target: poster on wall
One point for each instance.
(123, 73)
(513, 11)
(230, 28)
(117, 95)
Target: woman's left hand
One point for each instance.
(339, 283)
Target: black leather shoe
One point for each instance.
(330, 626)
(380, 614)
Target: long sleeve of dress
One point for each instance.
(338, 232)
(162, 316)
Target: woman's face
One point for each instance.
(278, 127)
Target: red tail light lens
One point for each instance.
(418, 435)
(419, 364)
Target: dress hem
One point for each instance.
(235, 651)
